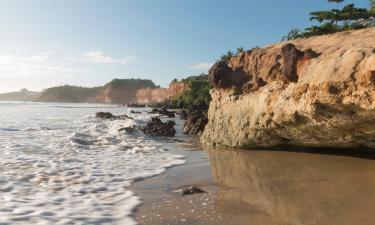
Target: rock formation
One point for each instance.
(158, 128)
(316, 92)
(122, 91)
(159, 95)
(195, 123)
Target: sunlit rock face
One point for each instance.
(158, 95)
(316, 92)
(294, 188)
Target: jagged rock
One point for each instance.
(195, 123)
(163, 112)
(158, 128)
(190, 190)
(318, 92)
(222, 76)
(110, 116)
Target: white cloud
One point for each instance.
(31, 66)
(100, 58)
(202, 66)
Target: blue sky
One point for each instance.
(46, 43)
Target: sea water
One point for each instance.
(61, 165)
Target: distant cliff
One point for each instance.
(23, 95)
(123, 91)
(118, 91)
(159, 95)
(68, 93)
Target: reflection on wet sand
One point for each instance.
(274, 187)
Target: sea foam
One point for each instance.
(60, 165)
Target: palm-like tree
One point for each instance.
(372, 6)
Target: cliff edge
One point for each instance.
(316, 92)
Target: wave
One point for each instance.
(78, 173)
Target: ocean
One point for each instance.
(61, 165)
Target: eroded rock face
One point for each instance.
(222, 76)
(316, 92)
(195, 123)
(159, 95)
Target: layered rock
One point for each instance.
(316, 92)
(159, 95)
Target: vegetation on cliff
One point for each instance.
(196, 96)
(23, 95)
(336, 20)
(68, 93)
(131, 83)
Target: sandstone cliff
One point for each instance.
(316, 92)
(122, 91)
(159, 95)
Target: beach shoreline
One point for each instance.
(162, 203)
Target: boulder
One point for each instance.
(163, 112)
(158, 128)
(110, 116)
(190, 190)
(317, 92)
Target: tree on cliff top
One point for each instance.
(227, 57)
(336, 20)
(372, 7)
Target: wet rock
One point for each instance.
(183, 115)
(191, 190)
(127, 129)
(163, 112)
(158, 128)
(110, 116)
(222, 76)
(195, 123)
(135, 112)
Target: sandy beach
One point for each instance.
(261, 187)
(163, 203)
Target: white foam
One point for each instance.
(75, 172)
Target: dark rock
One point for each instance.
(290, 55)
(195, 123)
(110, 116)
(191, 190)
(183, 115)
(135, 105)
(135, 112)
(310, 54)
(222, 76)
(158, 128)
(127, 129)
(163, 112)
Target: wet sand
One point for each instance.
(262, 188)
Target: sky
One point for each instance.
(46, 43)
